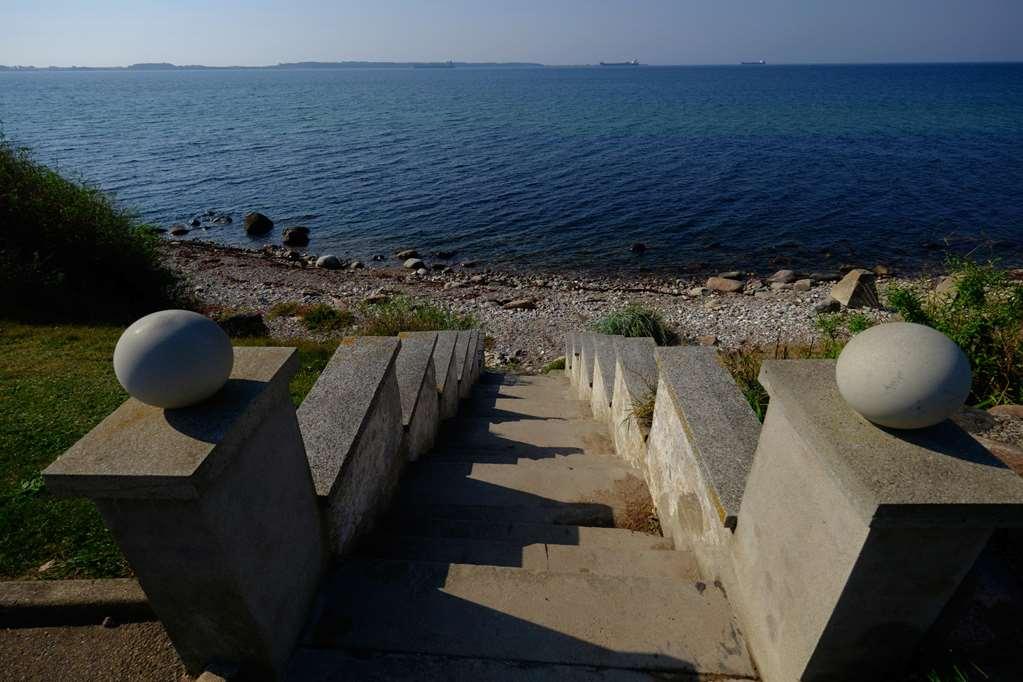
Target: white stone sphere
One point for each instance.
(903, 376)
(173, 358)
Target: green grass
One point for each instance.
(404, 314)
(636, 321)
(67, 252)
(323, 318)
(554, 365)
(56, 383)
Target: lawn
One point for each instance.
(56, 383)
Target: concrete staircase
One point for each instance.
(501, 560)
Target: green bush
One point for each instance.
(324, 318)
(66, 252)
(554, 365)
(835, 331)
(636, 321)
(404, 314)
(982, 312)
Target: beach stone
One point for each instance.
(707, 340)
(257, 223)
(825, 276)
(946, 287)
(470, 264)
(422, 272)
(376, 298)
(406, 254)
(698, 291)
(444, 255)
(780, 286)
(783, 277)
(829, 306)
(857, 289)
(328, 262)
(413, 264)
(179, 230)
(356, 265)
(802, 285)
(727, 286)
(296, 236)
(883, 270)
(478, 279)
(1014, 411)
(520, 304)
(638, 247)
(173, 358)
(731, 274)
(903, 375)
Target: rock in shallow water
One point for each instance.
(257, 223)
(903, 376)
(173, 358)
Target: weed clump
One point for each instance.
(637, 321)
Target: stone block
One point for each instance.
(417, 386)
(463, 362)
(351, 424)
(635, 379)
(603, 377)
(584, 379)
(569, 354)
(852, 538)
(446, 371)
(213, 507)
(699, 453)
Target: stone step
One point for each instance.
(573, 514)
(499, 407)
(423, 525)
(514, 614)
(510, 485)
(552, 558)
(545, 437)
(523, 457)
(319, 665)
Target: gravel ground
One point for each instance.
(564, 302)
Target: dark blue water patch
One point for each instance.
(806, 166)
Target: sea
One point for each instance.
(709, 167)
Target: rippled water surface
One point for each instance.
(709, 166)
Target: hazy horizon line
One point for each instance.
(392, 62)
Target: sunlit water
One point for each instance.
(809, 166)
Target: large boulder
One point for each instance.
(414, 264)
(858, 289)
(296, 236)
(257, 224)
(724, 285)
(328, 262)
(406, 254)
(783, 277)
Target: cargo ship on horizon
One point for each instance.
(634, 62)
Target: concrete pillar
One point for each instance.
(851, 538)
(213, 506)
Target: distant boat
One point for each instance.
(634, 62)
(435, 65)
(758, 63)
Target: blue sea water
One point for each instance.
(731, 166)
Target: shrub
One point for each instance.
(554, 365)
(404, 314)
(836, 329)
(643, 408)
(636, 321)
(66, 252)
(744, 366)
(324, 318)
(983, 313)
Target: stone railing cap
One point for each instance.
(719, 423)
(463, 349)
(604, 355)
(141, 451)
(639, 367)
(443, 356)
(585, 348)
(934, 476)
(414, 358)
(332, 415)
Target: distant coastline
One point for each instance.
(167, 66)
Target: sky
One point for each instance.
(257, 32)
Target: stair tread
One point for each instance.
(522, 532)
(511, 613)
(536, 556)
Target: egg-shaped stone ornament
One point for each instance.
(173, 358)
(903, 376)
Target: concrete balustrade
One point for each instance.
(464, 350)
(215, 510)
(351, 422)
(699, 454)
(852, 538)
(417, 386)
(446, 371)
(569, 356)
(604, 364)
(584, 378)
(635, 380)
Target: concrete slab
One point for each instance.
(525, 615)
(445, 370)
(551, 558)
(463, 362)
(543, 437)
(635, 380)
(523, 458)
(317, 665)
(619, 539)
(603, 376)
(417, 387)
(584, 378)
(37, 603)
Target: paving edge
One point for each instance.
(41, 603)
